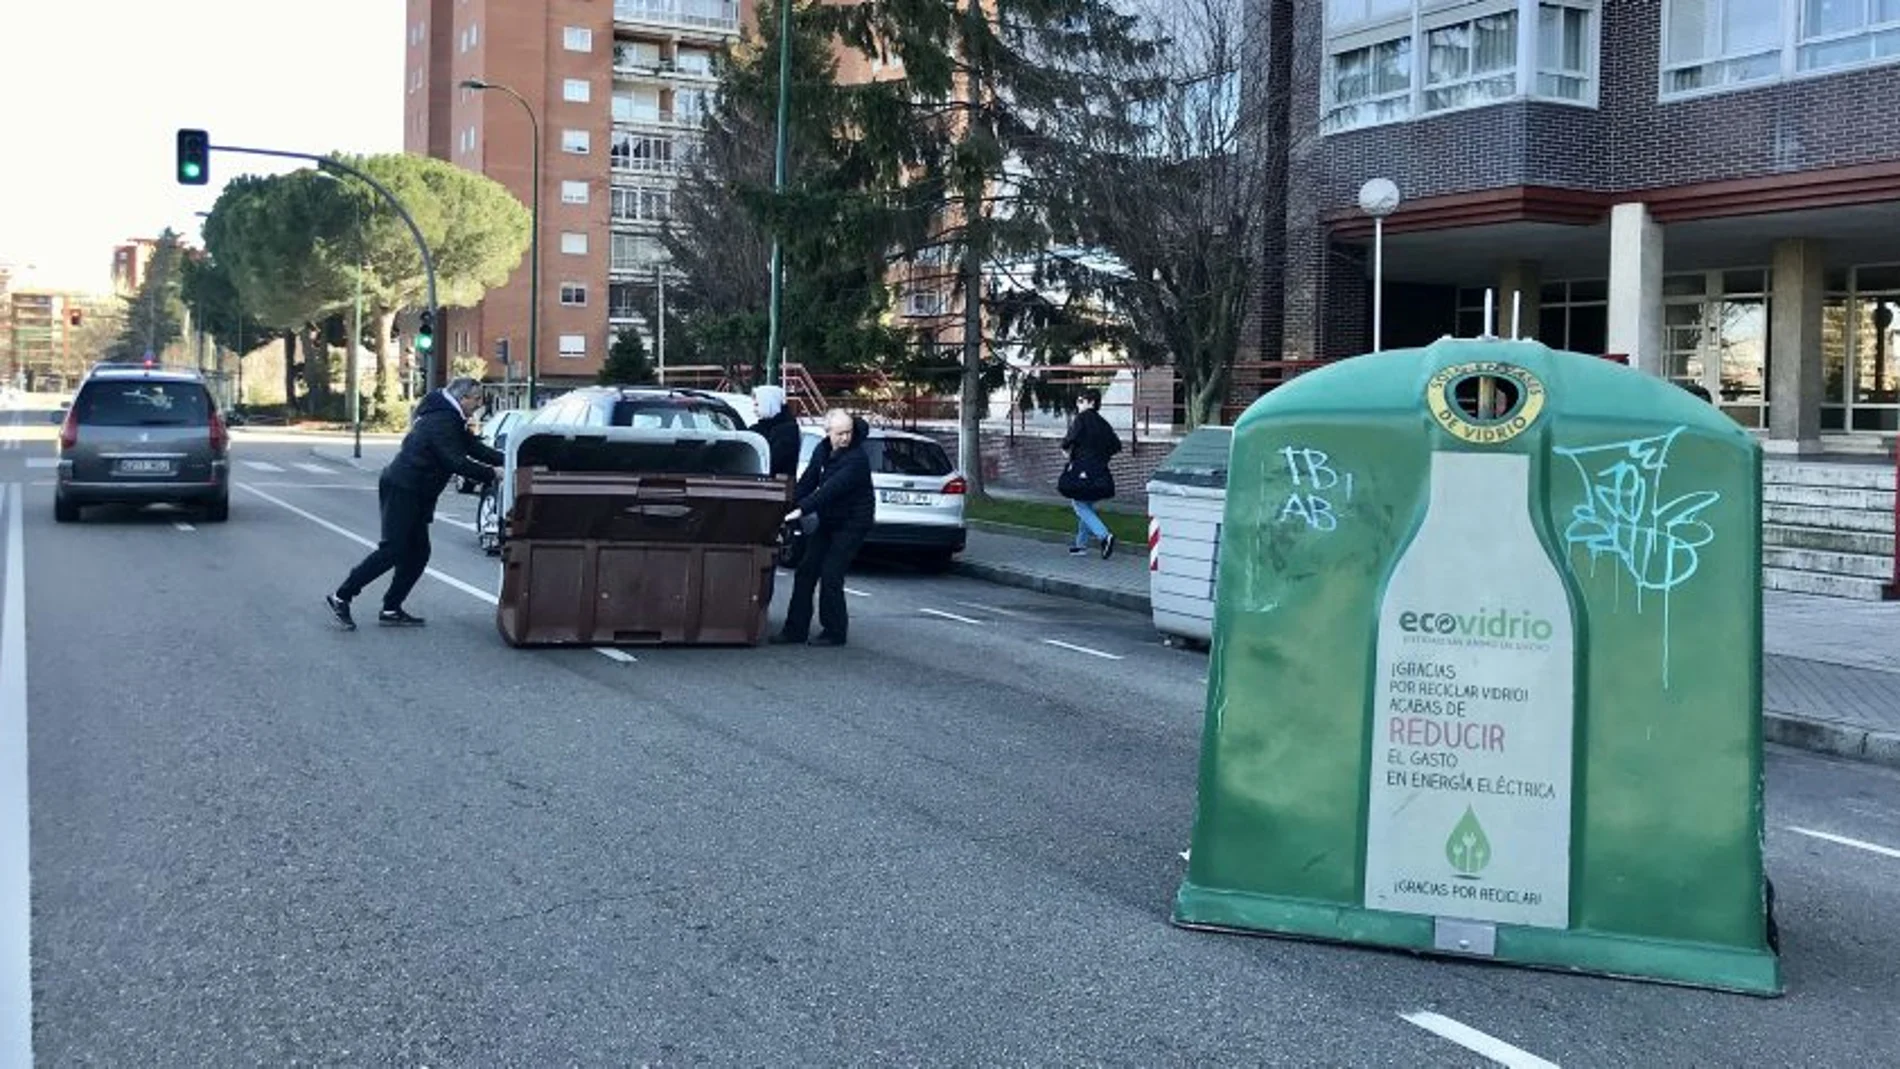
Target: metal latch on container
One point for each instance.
(1464, 937)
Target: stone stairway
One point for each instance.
(1827, 527)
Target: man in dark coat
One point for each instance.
(836, 488)
(779, 428)
(1087, 478)
(437, 447)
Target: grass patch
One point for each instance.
(1048, 516)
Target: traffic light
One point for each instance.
(425, 332)
(73, 317)
(194, 157)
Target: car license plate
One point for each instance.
(145, 467)
(905, 497)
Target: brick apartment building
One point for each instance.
(618, 89)
(1709, 186)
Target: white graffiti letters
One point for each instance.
(1316, 483)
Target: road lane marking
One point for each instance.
(857, 593)
(949, 616)
(316, 469)
(16, 880)
(261, 465)
(453, 522)
(315, 486)
(42, 462)
(183, 526)
(989, 608)
(1473, 1040)
(1083, 649)
(472, 591)
(1886, 851)
(616, 655)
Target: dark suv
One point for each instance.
(143, 435)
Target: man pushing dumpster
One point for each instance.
(836, 488)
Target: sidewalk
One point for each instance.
(1830, 674)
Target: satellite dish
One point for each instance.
(1379, 197)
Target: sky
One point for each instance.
(94, 92)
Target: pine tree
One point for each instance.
(155, 315)
(627, 363)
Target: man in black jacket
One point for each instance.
(778, 427)
(836, 488)
(437, 447)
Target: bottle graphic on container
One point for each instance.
(1474, 709)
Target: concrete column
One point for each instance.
(1523, 278)
(1636, 269)
(1794, 337)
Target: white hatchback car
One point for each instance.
(920, 494)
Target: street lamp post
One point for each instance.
(778, 188)
(1378, 198)
(534, 240)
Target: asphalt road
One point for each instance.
(259, 839)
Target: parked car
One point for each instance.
(494, 434)
(143, 435)
(655, 407)
(920, 495)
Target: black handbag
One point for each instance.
(793, 538)
(1078, 483)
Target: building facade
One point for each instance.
(619, 91)
(129, 262)
(1711, 187)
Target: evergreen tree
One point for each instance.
(155, 315)
(627, 363)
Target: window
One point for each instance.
(689, 105)
(1391, 60)
(577, 91)
(642, 205)
(694, 61)
(691, 414)
(574, 244)
(577, 39)
(1574, 316)
(645, 153)
(468, 139)
(923, 302)
(1840, 33)
(573, 295)
(1712, 44)
(637, 54)
(573, 192)
(575, 141)
(104, 403)
(620, 301)
(471, 37)
(637, 105)
(635, 252)
(573, 345)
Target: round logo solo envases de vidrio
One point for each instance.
(1525, 395)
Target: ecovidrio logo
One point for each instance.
(1500, 624)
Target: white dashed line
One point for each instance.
(988, 608)
(16, 839)
(261, 465)
(1473, 1040)
(42, 462)
(316, 469)
(183, 526)
(1082, 649)
(453, 522)
(1885, 851)
(466, 588)
(616, 655)
(949, 616)
(857, 593)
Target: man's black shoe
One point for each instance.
(1108, 547)
(826, 638)
(398, 618)
(341, 610)
(783, 639)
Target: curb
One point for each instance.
(1798, 732)
(1836, 740)
(1033, 534)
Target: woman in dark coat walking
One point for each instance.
(1087, 478)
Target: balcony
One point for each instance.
(631, 154)
(716, 16)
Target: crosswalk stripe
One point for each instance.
(261, 465)
(316, 469)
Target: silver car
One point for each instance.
(143, 435)
(920, 495)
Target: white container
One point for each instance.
(1187, 497)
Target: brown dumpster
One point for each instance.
(630, 536)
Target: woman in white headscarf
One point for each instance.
(779, 429)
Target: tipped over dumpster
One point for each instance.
(623, 536)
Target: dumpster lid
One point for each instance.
(639, 450)
(1200, 459)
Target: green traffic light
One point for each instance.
(191, 170)
(424, 342)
